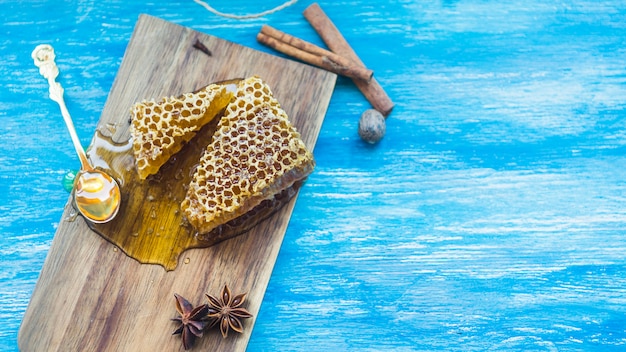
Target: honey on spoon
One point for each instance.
(96, 194)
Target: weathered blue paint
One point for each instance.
(492, 216)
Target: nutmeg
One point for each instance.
(372, 126)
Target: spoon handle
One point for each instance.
(43, 55)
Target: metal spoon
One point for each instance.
(96, 194)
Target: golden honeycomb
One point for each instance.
(255, 153)
(161, 128)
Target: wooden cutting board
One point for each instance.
(90, 296)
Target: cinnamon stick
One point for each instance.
(329, 59)
(312, 55)
(322, 24)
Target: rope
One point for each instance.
(244, 17)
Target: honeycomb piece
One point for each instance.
(160, 129)
(255, 154)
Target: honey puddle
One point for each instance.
(150, 227)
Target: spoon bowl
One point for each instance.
(96, 194)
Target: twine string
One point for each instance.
(248, 16)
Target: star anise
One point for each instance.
(192, 321)
(227, 311)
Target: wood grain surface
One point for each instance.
(90, 295)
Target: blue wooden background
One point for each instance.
(491, 217)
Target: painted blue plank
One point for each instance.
(490, 217)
